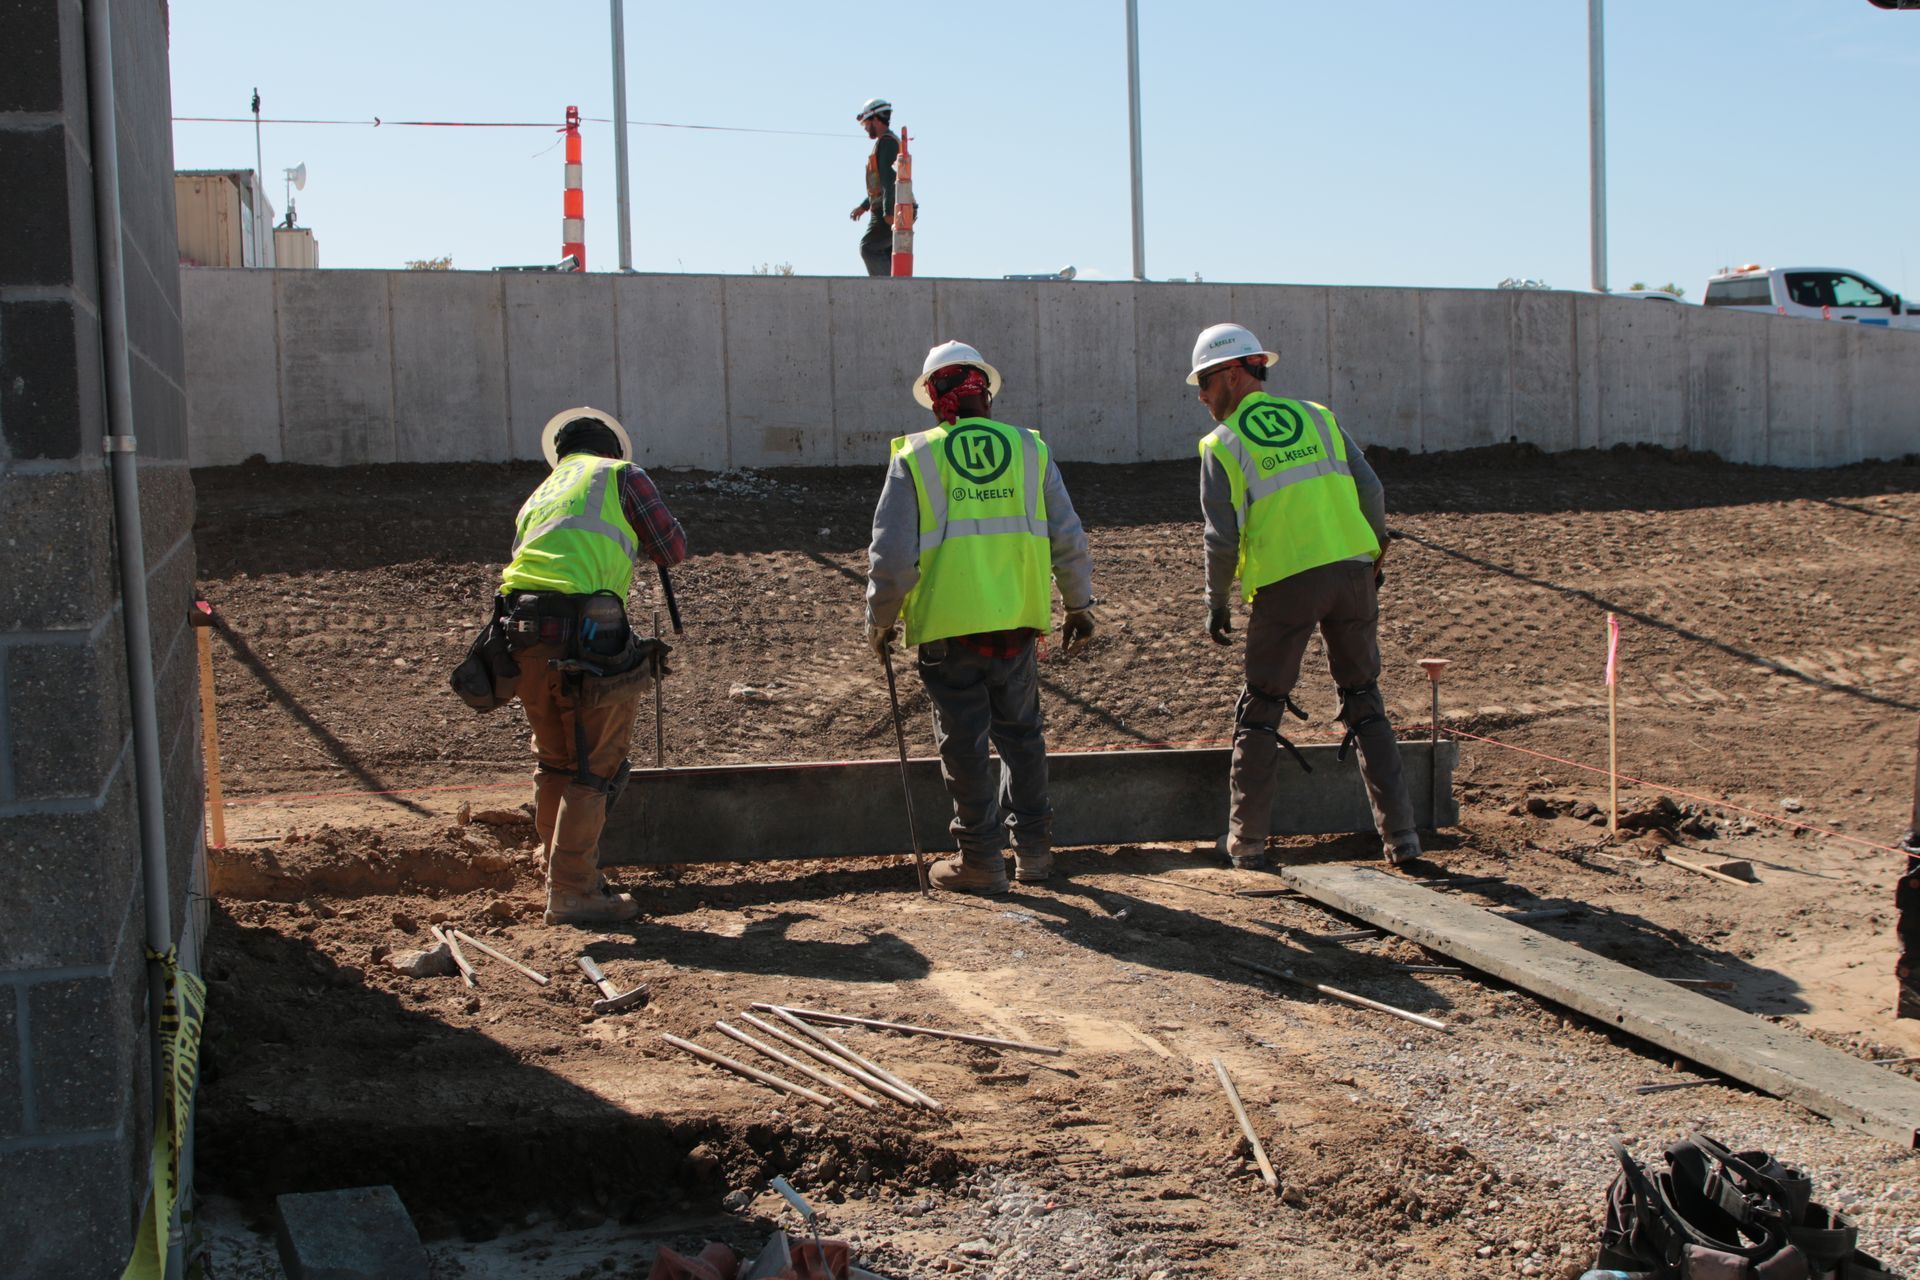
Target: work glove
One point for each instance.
(1076, 630)
(880, 639)
(1220, 624)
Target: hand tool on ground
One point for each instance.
(848, 1020)
(805, 1210)
(786, 1015)
(788, 1060)
(614, 1001)
(1338, 994)
(1434, 667)
(460, 960)
(501, 956)
(673, 606)
(1705, 871)
(751, 1073)
(659, 704)
(906, 783)
(838, 1063)
(1267, 1174)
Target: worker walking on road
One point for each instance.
(973, 527)
(582, 671)
(1293, 509)
(876, 246)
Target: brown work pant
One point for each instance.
(1339, 599)
(569, 815)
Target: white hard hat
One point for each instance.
(952, 353)
(873, 107)
(550, 434)
(1223, 344)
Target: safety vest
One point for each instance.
(572, 533)
(986, 563)
(1293, 490)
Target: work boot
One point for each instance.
(1030, 865)
(1244, 855)
(1401, 847)
(599, 906)
(963, 876)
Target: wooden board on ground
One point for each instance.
(1771, 1058)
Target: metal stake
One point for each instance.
(659, 712)
(1434, 667)
(906, 783)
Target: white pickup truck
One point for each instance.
(1817, 293)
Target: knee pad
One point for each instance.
(1244, 724)
(1360, 707)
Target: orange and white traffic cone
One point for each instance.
(903, 211)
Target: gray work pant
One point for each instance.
(1339, 599)
(977, 699)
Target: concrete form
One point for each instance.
(1774, 1059)
(728, 813)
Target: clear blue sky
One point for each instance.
(1396, 142)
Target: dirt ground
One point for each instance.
(1770, 663)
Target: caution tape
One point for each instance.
(183, 1013)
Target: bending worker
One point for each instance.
(973, 527)
(582, 671)
(1292, 507)
(876, 246)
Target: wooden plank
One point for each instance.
(1771, 1058)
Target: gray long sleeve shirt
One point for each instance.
(893, 557)
(1223, 522)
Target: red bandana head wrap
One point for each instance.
(946, 404)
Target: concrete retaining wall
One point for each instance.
(337, 367)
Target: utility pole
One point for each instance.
(620, 134)
(259, 176)
(1133, 132)
(1597, 134)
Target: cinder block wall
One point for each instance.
(74, 1088)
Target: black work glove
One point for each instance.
(1220, 624)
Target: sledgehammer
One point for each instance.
(614, 1001)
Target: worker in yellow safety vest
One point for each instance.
(1293, 510)
(973, 528)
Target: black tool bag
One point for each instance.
(1719, 1215)
(488, 677)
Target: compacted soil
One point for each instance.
(1770, 674)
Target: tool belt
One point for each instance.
(488, 677)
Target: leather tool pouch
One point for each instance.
(488, 677)
(630, 674)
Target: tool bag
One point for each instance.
(488, 677)
(1719, 1215)
(626, 675)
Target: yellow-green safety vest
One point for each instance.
(572, 534)
(986, 563)
(1293, 491)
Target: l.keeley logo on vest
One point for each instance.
(1274, 426)
(979, 454)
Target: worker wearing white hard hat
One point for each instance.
(973, 529)
(582, 671)
(876, 245)
(1292, 508)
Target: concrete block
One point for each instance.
(1809, 393)
(882, 329)
(1002, 319)
(1292, 320)
(71, 510)
(1885, 393)
(80, 1041)
(1466, 374)
(1542, 358)
(673, 370)
(449, 367)
(362, 1233)
(159, 412)
(11, 1112)
(233, 370)
(1167, 318)
(1374, 337)
(31, 35)
(1643, 372)
(336, 366)
(1089, 372)
(42, 238)
(41, 374)
(69, 1210)
(779, 385)
(69, 882)
(1727, 382)
(67, 715)
(560, 352)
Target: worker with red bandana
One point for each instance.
(973, 528)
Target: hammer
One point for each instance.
(614, 1001)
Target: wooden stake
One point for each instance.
(459, 957)
(787, 1059)
(1267, 1174)
(751, 1073)
(1348, 996)
(209, 728)
(815, 1052)
(501, 956)
(848, 1020)
(873, 1068)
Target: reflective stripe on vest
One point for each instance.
(572, 533)
(1292, 489)
(986, 560)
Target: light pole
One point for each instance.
(622, 207)
(1597, 135)
(1133, 131)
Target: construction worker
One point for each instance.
(973, 527)
(582, 671)
(1292, 507)
(876, 246)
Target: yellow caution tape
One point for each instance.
(183, 1013)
